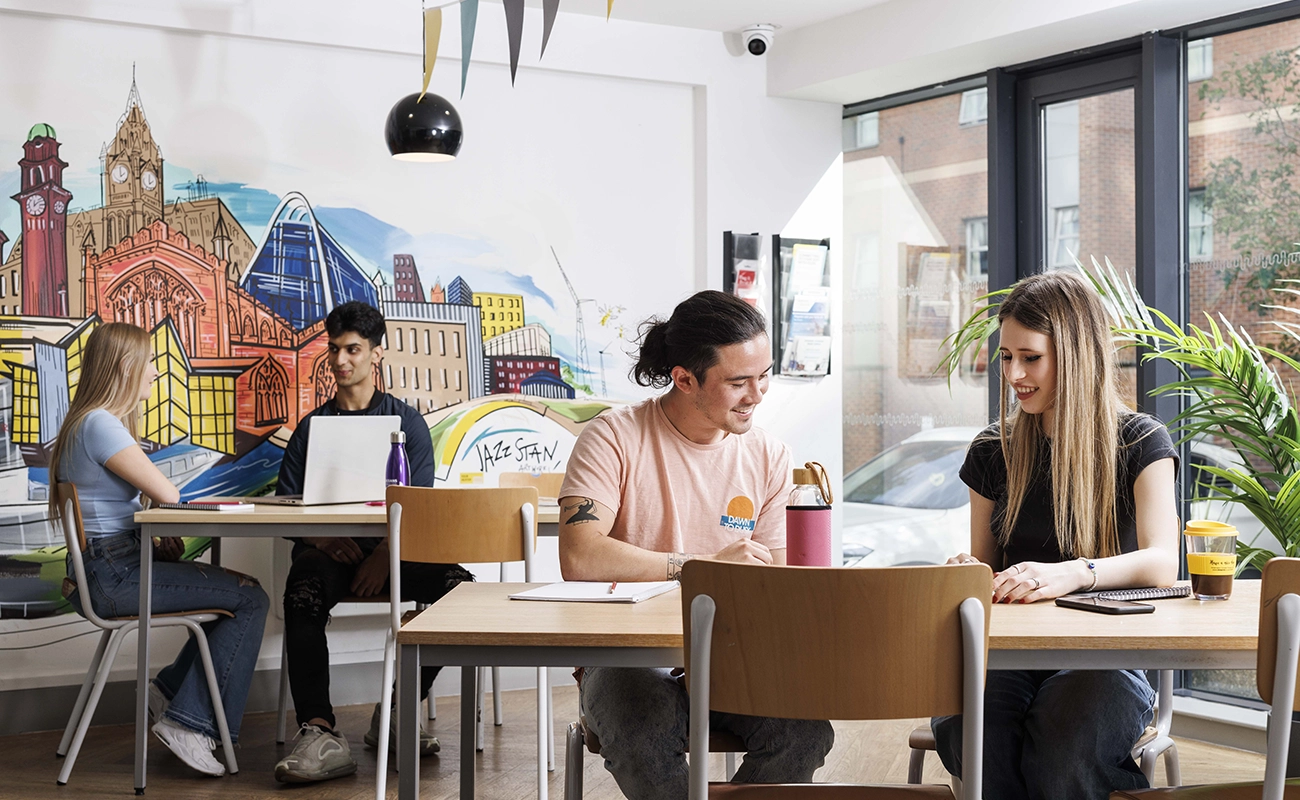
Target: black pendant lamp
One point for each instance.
(423, 129)
(424, 126)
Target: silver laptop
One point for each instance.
(346, 461)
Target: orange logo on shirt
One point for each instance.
(740, 514)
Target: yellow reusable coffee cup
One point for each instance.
(1211, 558)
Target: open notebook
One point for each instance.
(597, 592)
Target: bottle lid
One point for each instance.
(804, 477)
(398, 437)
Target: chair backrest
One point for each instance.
(547, 484)
(74, 536)
(63, 493)
(477, 525)
(1281, 577)
(814, 643)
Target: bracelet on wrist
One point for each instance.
(1092, 568)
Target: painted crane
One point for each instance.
(581, 367)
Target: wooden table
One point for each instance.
(478, 624)
(265, 521)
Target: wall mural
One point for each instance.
(237, 324)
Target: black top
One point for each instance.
(1143, 441)
(419, 446)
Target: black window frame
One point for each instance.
(1154, 66)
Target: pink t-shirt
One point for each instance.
(671, 495)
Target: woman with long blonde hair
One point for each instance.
(1070, 492)
(97, 450)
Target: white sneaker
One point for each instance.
(158, 702)
(192, 747)
(319, 756)
(428, 742)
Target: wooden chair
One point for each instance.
(114, 633)
(1154, 742)
(801, 643)
(1275, 676)
(446, 526)
(580, 737)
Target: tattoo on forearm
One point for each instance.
(675, 563)
(584, 511)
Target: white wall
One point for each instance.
(753, 163)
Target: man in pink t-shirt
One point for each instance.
(680, 476)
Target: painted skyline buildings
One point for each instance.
(237, 327)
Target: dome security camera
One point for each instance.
(758, 38)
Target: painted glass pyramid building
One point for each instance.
(299, 271)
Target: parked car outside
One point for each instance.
(909, 506)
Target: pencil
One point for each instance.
(612, 587)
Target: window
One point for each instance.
(428, 378)
(974, 107)
(390, 376)
(455, 339)
(903, 263)
(415, 343)
(1065, 237)
(1200, 228)
(977, 247)
(403, 377)
(442, 343)
(867, 129)
(428, 351)
(1200, 60)
(444, 378)
(458, 383)
(2, 286)
(398, 332)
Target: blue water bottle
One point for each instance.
(398, 472)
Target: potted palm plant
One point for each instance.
(1233, 391)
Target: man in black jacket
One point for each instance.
(326, 569)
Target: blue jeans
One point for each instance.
(113, 574)
(1050, 735)
(642, 719)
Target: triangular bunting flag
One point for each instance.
(432, 34)
(549, 10)
(468, 19)
(515, 31)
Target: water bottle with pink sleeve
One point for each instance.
(808, 518)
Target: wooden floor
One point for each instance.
(864, 752)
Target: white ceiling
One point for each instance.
(717, 15)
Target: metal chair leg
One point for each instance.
(573, 747)
(497, 718)
(478, 711)
(79, 707)
(101, 677)
(214, 691)
(282, 706)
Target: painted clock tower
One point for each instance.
(133, 175)
(44, 204)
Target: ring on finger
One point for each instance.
(1037, 583)
(1017, 568)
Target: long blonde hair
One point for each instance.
(1085, 441)
(112, 369)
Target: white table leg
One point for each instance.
(142, 658)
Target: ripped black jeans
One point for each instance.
(316, 584)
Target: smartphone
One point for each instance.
(1101, 605)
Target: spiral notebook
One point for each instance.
(1152, 593)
